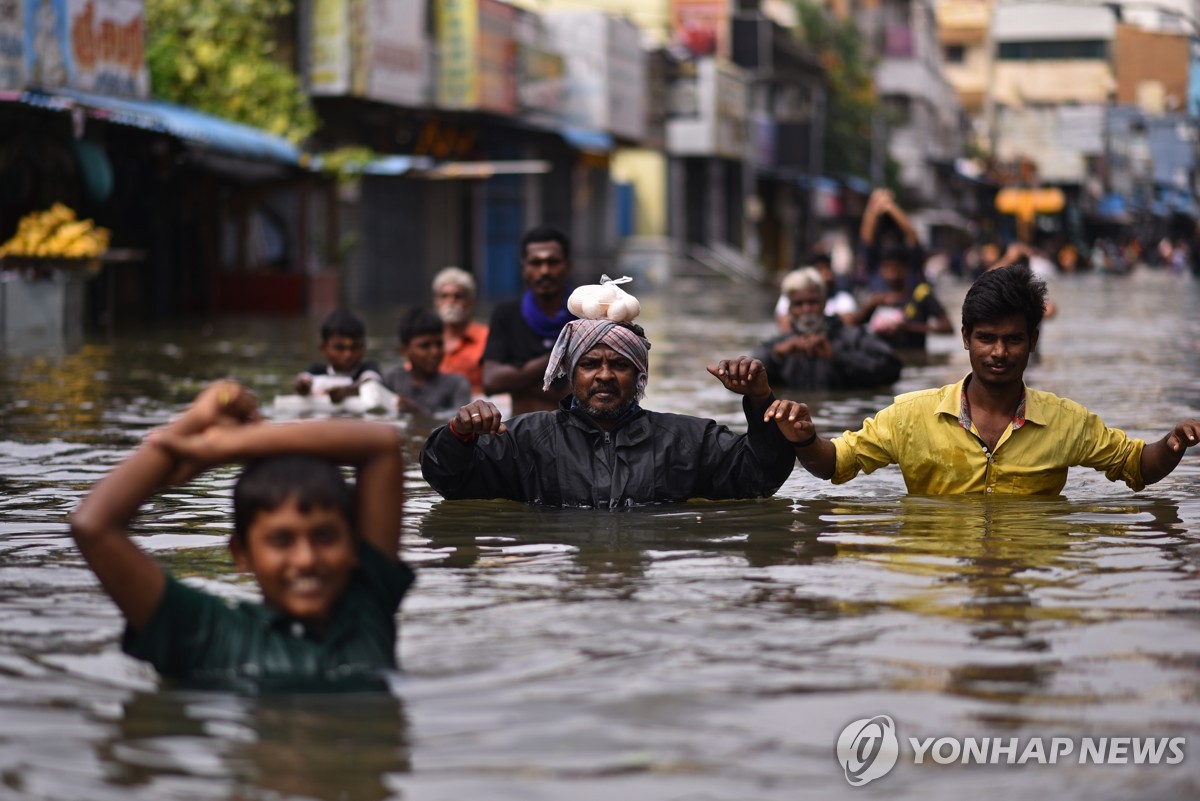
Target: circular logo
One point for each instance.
(867, 749)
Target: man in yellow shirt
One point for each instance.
(988, 432)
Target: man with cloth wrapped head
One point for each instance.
(600, 448)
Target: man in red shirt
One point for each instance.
(454, 300)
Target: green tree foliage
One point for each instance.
(851, 103)
(219, 56)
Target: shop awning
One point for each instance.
(187, 124)
(588, 140)
(1113, 208)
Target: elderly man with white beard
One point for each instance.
(601, 448)
(820, 351)
(464, 338)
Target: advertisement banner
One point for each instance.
(395, 52)
(90, 45)
(626, 80)
(542, 83)
(458, 65)
(701, 26)
(369, 48)
(12, 47)
(497, 57)
(329, 50)
(732, 96)
(582, 38)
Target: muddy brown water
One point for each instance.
(695, 651)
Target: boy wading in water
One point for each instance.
(324, 555)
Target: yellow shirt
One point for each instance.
(921, 432)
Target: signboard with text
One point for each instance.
(329, 48)
(12, 46)
(701, 26)
(90, 45)
(497, 57)
(395, 58)
(458, 59)
(606, 71)
(369, 48)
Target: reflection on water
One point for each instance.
(702, 650)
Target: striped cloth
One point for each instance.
(580, 336)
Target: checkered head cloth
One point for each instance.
(580, 336)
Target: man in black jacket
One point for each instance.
(600, 448)
(820, 352)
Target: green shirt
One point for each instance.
(940, 453)
(206, 640)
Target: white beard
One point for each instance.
(453, 313)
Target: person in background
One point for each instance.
(344, 346)
(421, 387)
(887, 231)
(839, 302)
(523, 330)
(904, 312)
(1041, 266)
(821, 352)
(464, 338)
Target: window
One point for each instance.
(1054, 50)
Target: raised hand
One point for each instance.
(477, 417)
(745, 376)
(1184, 435)
(793, 420)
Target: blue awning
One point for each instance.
(184, 123)
(819, 182)
(1176, 201)
(588, 140)
(1111, 205)
(856, 184)
(395, 165)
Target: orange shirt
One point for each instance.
(465, 357)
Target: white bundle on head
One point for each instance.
(604, 301)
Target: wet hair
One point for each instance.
(545, 233)
(1004, 292)
(454, 276)
(802, 279)
(818, 257)
(342, 323)
(895, 253)
(268, 483)
(419, 322)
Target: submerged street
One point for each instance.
(692, 651)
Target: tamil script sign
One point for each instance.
(90, 45)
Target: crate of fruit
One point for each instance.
(55, 239)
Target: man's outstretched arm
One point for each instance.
(1160, 458)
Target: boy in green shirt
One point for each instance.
(324, 556)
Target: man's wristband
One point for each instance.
(806, 443)
(458, 436)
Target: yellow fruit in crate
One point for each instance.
(56, 233)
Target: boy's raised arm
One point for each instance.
(372, 448)
(100, 524)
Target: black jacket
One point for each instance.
(563, 458)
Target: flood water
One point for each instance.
(697, 651)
